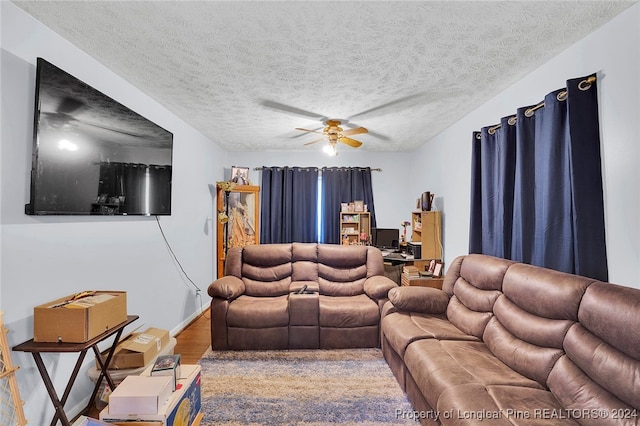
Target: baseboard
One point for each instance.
(188, 321)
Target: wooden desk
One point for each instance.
(36, 348)
(393, 264)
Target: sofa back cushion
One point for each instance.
(474, 282)
(602, 360)
(266, 269)
(532, 317)
(342, 270)
(305, 262)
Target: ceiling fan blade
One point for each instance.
(355, 131)
(297, 135)
(351, 142)
(316, 141)
(391, 103)
(293, 110)
(310, 131)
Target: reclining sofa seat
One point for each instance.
(254, 306)
(525, 344)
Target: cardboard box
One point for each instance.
(80, 320)
(182, 408)
(138, 349)
(139, 395)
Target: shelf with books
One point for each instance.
(355, 227)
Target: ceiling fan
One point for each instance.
(334, 134)
(333, 130)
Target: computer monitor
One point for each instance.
(385, 238)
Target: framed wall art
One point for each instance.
(240, 175)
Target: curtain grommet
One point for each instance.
(586, 84)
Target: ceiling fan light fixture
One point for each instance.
(330, 149)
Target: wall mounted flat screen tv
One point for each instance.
(92, 155)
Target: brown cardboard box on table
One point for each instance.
(78, 321)
(138, 349)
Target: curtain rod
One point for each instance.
(562, 96)
(378, 169)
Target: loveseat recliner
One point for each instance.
(258, 303)
(504, 343)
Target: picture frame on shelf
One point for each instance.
(437, 270)
(432, 266)
(358, 206)
(240, 175)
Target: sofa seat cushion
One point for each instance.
(348, 311)
(498, 405)
(437, 365)
(259, 312)
(403, 328)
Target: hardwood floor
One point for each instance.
(195, 339)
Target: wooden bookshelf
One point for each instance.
(426, 228)
(353, 225)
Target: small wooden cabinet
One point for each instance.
(237, 219)
(354, 226)
(426, 228)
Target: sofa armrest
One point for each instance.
(378, 286)
(228, 287)
(425, 300)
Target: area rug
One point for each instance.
(301, 387)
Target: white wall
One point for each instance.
(613, 51)
(394, 199)
(43, 258)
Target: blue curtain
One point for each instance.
(343, 185)
(536, 185)
(289, 199)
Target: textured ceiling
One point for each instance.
(247, 73)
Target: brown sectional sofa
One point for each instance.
(255, 305)
(505, 343)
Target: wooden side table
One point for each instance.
(36, 348)
(423, 282)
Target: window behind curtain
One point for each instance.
(341, 185)
(291, 193)
(289, 199)
(537, 193)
